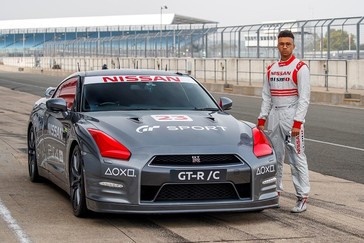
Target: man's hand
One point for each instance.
(295, 132)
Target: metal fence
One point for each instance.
(336, 38)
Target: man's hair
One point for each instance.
(285, 33)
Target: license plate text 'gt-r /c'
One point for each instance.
(198, 175)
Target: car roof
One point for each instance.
(113, 72)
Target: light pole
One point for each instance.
(160, 41)
(23, 46)
(349, 42)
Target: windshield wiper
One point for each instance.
(145, 109)
(206, 109)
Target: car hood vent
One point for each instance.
(211, 118)
(135, 119)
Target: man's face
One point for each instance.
(285, 47)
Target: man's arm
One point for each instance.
(266, 103)
(303, 86)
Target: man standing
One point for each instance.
(286, 95)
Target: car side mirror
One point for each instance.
(56, 104)
(225, 103)
(49, 92)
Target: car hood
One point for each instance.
(178, 128)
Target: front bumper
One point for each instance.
(158, 208)
(181, 189)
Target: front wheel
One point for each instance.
(32, 157)
(77, 184)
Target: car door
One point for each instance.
(57, 130)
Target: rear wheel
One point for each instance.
(32, 157)
(78, 196)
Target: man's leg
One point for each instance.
(279, 148)
(299, 171)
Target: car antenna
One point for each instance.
(78, 67)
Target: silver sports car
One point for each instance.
(142, 141)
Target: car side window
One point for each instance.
(67, 91)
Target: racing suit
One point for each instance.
(286, 95)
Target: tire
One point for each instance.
(77, 184)
(32, 157)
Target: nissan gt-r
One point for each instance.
(147, 141)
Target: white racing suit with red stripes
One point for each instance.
(286, 95)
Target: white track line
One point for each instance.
(334, 144)
(12, 224)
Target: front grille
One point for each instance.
(195, 192)
(195, 160)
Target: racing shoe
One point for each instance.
(300, 205)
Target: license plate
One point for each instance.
(198, 175)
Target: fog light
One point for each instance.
(110, 184)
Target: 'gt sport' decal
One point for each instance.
(171, 118)
(196, 128)
(145, 128)
(137, 78)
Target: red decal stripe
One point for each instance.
(286, 63)
(298, 144)
(295, 72)
(284, 92)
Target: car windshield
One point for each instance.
(112, 96)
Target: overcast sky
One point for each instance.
(226, 12)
